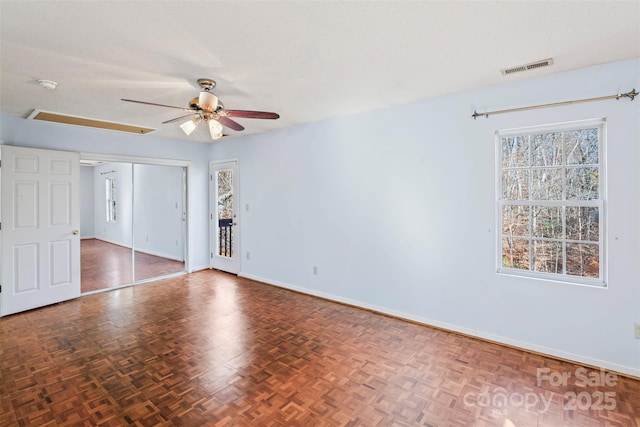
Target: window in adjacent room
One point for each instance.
(550, 209)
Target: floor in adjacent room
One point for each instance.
(210, 348)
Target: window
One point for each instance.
(110, 193)
(550, 208)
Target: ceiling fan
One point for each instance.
(208, 107)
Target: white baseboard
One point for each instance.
(160, 254)
(113, 242)
(578, 358)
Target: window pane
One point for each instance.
(546, 149)
(547, 256)
(547, 221)
(515, 184)
(581, 147)
(544, 176)
(583, 223)
(582, 183)
(546, 184)
(515, 151)
(224, 179)
(515, 253)
(515, 220)
(583, 260)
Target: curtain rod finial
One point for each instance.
(631, 94)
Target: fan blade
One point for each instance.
(157, 105)
(249, 114)
(231, 124)
(179, 118)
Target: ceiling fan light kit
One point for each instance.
(190, 125)
(208, 107)
(215, 128)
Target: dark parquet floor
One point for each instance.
(212, 349)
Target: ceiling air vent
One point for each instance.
(527, 67)
(83, 121)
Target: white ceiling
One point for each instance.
(306, 60)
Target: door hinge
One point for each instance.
(210, 177)
(211, 255)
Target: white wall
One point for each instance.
(119, 231)
(396, 208)
(87, 211)
(157, 206)
(30, 133)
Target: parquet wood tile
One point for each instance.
(211, 349)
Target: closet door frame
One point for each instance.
(159, 162)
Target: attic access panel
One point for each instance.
(47, 116)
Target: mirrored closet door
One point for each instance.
(106, 224)
(158, 220)
(133, 223)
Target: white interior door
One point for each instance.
(224, 235)
(40, 223)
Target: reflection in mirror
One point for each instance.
(106, 226)
(128, 206)
(158, 220)
(110, 196)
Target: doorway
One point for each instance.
(224, 230)
(135, 221)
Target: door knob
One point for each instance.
(75, 232)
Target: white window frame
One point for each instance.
(600, 203)
(110, 196)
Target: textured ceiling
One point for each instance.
(306, 60)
